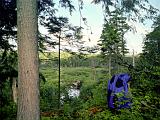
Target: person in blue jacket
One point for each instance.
(118, 92)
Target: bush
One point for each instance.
(9, 111)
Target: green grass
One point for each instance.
(49, 89)
(45, 118)
(69, 74)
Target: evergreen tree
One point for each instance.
(151, 49)
(113, 43)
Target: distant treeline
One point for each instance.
(77, 60)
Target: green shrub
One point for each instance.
(9, 111)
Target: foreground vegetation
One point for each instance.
(92, 101)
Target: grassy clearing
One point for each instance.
(86, 75)
(68, 75)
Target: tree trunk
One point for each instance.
(109, 65)
(93, 69)
(28, 72)
(14, 89)
(133, 59)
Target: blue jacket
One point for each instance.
(118, 84)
